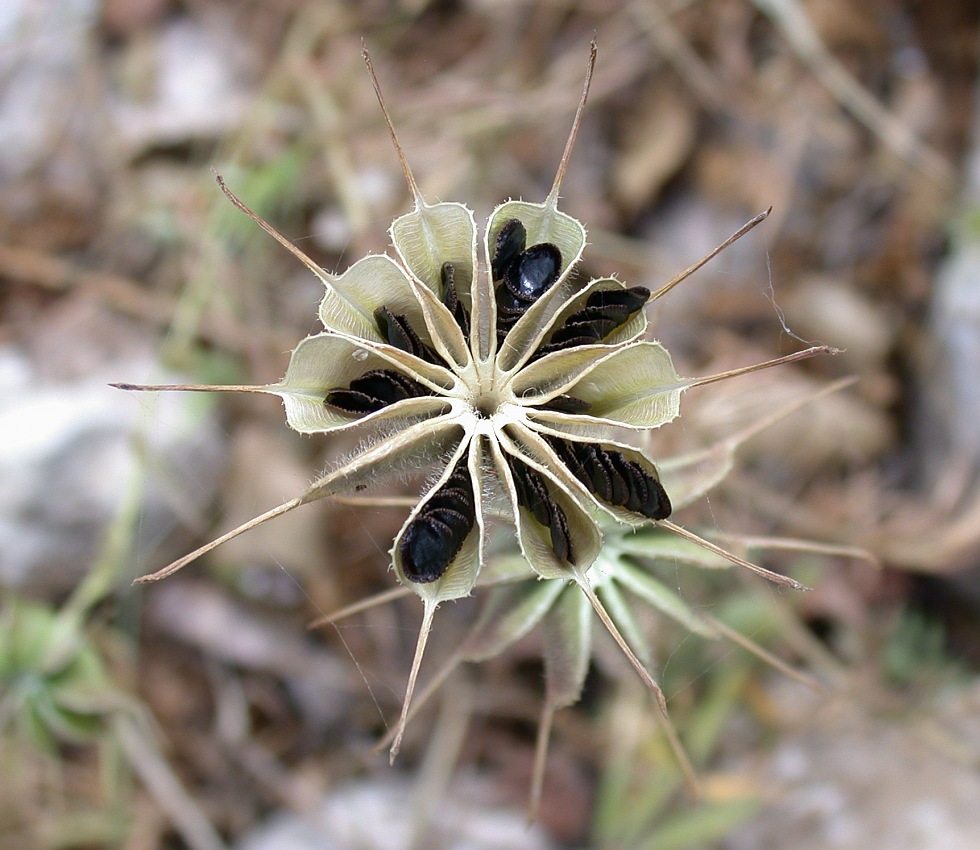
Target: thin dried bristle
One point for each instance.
(796, 356)
(406, 169)
(268, 228)
(763, 654)
(192, 388)
(790, 544)
(776, 578)
(576, 123)
(423, 697)
(540, 763)
(363, 605)
(426, 627)
(739, 437)
(684, 275)
(180, 563)
(690, 776)
(378, 501)
(768, 421)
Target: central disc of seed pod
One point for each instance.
(486, 405)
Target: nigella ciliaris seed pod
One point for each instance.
(480, 363)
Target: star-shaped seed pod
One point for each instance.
(486, 364)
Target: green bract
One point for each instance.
(53, 685)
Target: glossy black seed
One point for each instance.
(450, 297)
(533, 272)
(618, 474)
(593, 329)
(613, 478)
(437, 533)
(653, 500)
(526, 279)
(527, 273)
(533, 494)
(619, 304)
(350, 401)
(604, 311)
(639, 491)
(566, 404)
(426, 550)
(396, 331)
(510, 241)
(373, 391)
(561, 537)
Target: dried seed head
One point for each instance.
(510, 379)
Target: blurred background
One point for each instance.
(202, 712)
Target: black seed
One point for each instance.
(453, 520)
(388, 385)
(352, 402)
(593, 330)
(510, 241)
(568, 455)
(533, 272)
(392, 329)
(566, 404)
(604, 311)
(619, 473)
(655, 504)
(639, 491)
(527, 276)
(539, 499)
(381, 384)
(533, 495)
(597, 472)
(396, 331)
(561, 537)
(450, 297)
(523, 497)
(373, 391)
(571, 343)
(526, 273)
(426, 549)
(610, 476)
(508, 313)
(437, 533)
(619, 302)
